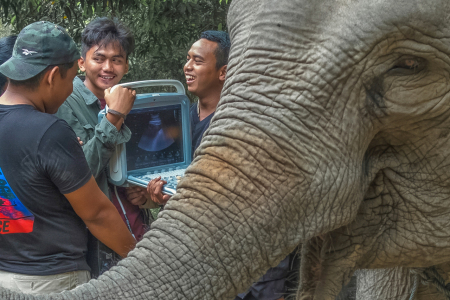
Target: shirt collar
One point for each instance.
(84, 92)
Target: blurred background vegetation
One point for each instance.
(164, 29)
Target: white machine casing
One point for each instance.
(117, 169)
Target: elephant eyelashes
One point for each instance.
(408, 66)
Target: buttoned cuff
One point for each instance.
(110, 136)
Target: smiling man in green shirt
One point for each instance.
(105, 61)
(106, 46)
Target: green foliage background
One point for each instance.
(164, 29)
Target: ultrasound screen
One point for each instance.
(156, 138)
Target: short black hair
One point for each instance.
(6, 49)
(32, 83)
(103, 31)
(223, 45)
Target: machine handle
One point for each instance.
(161, 82)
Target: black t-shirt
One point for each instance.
(40, 160)
(198, 127)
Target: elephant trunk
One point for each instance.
(270, 156)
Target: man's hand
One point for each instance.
(80, 141)
(120, 100)
(154, 189)
(136, 195)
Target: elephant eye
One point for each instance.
(408, 66)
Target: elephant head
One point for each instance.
(332, 131)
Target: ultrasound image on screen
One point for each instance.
(156, 137)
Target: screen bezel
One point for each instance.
(167, 99)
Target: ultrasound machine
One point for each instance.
(160, 143)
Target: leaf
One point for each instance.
(182, 8)
(13, 19)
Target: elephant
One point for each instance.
(332, 132)
(397, 283)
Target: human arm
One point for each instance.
(154, 190)
(101, 217)
(61, 159)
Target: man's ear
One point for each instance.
(81, 64)
(223, 73)
(52, 75)
(127, 67)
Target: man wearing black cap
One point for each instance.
(47, 193)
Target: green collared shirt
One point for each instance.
(80, 111)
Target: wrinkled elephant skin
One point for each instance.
(332, 131)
